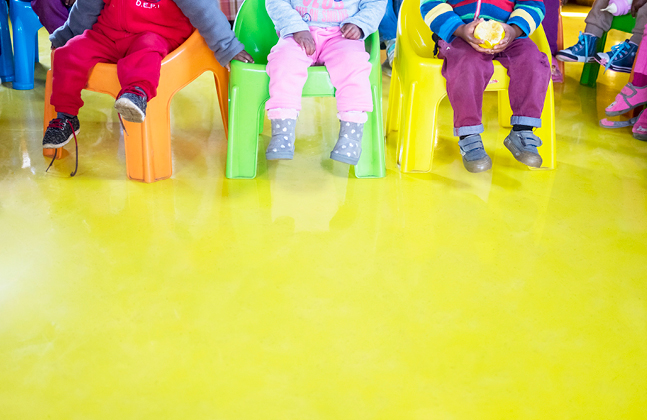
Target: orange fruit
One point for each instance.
(490, 32)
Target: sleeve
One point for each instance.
(83, 15)
(369, 16)
(286, 19)
(441, 18)
(527, 15)
(208, 19)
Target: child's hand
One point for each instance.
(466, 33)
(242, 56)
(511, 33)
(351, 31)
(305, 40)
(69, 3)
(636, 5)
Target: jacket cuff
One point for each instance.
(447, 29)
(225, 57)
(366, 30)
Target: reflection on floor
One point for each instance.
(308, 294)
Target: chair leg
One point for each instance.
(6, 54)
(372, 163)
(417, 135)
(505, 111)
(222, 86)
(395, 103)
(242, 145)
(25, 27)
(148, 145)
(547, 131)
(590, 70)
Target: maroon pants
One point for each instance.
(468, 73)
(138, 57)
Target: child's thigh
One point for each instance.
(287, 53)
(86, 50)
(345, 56)
(149, 42)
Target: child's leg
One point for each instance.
(349, 69)
(529, 74)
(51, 13)
(72, 66)
(468, 73)
(142, 62)
(287, 66)
(633, 94)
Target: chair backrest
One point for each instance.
(255, 29)
(417, 34)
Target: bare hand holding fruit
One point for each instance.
(466, 33)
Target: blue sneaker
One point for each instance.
(621, 57)
(582, 52)
(475, 158)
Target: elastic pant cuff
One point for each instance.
(518, 120)
(467, 130)
(358, 117)
(282, 114)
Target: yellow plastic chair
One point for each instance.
(418, 87)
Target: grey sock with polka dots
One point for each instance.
(349, 146)
(282, 143)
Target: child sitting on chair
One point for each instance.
(314, 33)
(137, 35)
(468, 68)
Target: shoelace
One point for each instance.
(584, 40)
(616, 50)
(60, 124)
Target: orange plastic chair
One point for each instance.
(148, 145)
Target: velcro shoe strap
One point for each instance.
(529, 139)
(470, 143)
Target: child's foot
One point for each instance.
(349, 145)
(131, 105)
(640, 127)
(523, 146)
(630, 97)
(621, 57)
(555, 74)
(582, 52)
(475, 158)
(387, 66)
(60, 131)
(281, 145)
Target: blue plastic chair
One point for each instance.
(25, 25)
(6, 54)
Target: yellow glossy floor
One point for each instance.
(309, 294)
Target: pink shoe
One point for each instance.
(630, 97)
(640, 128)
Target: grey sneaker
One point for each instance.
(131, 105)
(60, 131)
(523, 146)
(475, 158)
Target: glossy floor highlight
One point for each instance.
(308, 294)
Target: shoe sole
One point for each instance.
(484, 165)
(569, 59)
(617, 69)
(518, 154)
(344, 159)
(129, 111)
(641, 137)
(58, 146)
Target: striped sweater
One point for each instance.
(445, 16)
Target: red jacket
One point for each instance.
(120, 18)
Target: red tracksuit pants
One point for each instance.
(138, 57)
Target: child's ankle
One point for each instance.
(64, 116)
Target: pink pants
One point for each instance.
(346, 61)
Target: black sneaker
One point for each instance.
(60, 131)
(131, 105)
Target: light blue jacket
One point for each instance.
(290, 16)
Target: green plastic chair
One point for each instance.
(249, 90)
(624, 23)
